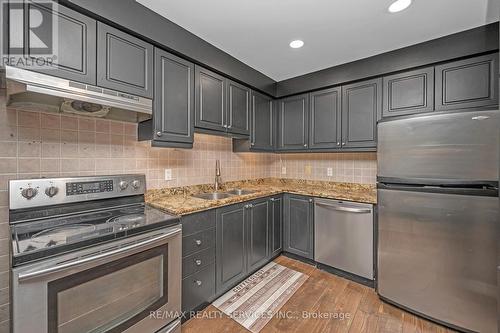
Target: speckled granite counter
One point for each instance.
(179, 200)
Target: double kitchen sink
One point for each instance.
(222, 195)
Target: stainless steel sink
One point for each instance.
(212, 196)
(239, 191)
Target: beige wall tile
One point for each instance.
(28, 119)
(50, 121)
(69, 123)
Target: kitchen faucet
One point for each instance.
(217, 176)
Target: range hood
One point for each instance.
(33, 91)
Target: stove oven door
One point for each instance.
(131, 285)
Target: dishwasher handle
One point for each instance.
(345, 208)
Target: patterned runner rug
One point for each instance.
(254, 301)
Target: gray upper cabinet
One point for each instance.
(361, 109)
(258, 234)
(409, 92)
(238, 108)
(299, 226)
(124, 63)
(173, 114)
(76, 47)
(325, 124)
(467, 83)
(276, 243)
(230, 246)
(210, 100)
(293, 122)
(262, 122)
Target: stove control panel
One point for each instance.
(54, 191)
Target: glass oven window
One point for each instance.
(110, 297)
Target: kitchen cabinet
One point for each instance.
(124, 62)
(238, 108)
(276, 224)
(258, 224)
(361, 109)
(173, 113)
(262, 122)
(76, 47)
(298, 226)
(293, 122)
(210, 100)
(325, 126)
(467, 83)
(408, 92)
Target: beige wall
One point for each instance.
(34, 144)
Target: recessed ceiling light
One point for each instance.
(296, 44)
(399, 5)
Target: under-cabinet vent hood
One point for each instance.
(33, 91)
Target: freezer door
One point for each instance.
(437, 256)
(455, 147)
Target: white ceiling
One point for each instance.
(258, 32)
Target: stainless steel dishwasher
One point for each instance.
(343, 236)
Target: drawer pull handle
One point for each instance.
(198, 242)
(198, 262)
(198, 282)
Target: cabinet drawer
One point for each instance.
(194, 223)
(196, 261)
(198, 288)
(198, 241)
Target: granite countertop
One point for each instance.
(179, 200)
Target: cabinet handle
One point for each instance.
(198, 242)
(338, 143)
(252, 144)
(198, 262)
(343, 143)
(229, 126)
(305, 145)
(310, 200)
(158, 133)
(198, 282)
(273, 200)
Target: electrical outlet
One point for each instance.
(168, 174)
(329, 172)
(308, 169)
(283, 170)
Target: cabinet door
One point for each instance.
(467, 83)
(174, 98)
(276, 243)
(262, 122)
(76, 47)
(293, 122)
(230, 246)
(324, 119)
(124, 63)
(361, 106)
(409, 92)
(238, 108)
(258, 234)
(299, 226)
(210, 94)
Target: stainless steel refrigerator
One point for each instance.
(438, 216)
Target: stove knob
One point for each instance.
(29, 193)
(136, 184)
(123, 185)
(51, 191)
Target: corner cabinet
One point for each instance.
(276, 225)
(124, 62)
(325, 126)
(259, 231)
(262, 115)
(361, 109)
(293, 123)
(238, 108)
(299, 226)
(173, 114)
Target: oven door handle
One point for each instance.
(23, 277)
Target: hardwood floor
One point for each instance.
(324, 293)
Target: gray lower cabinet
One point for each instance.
(262, 122)
(259, 231)
(361, 109)
(198, 259)
(467, 83)
(276, 225)
(124, 62)
(325, 126)
(173, 113)
(238, 108)
(293, 123)
(210, 102)
(298, 225)
(75, 48)
(409, 92)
